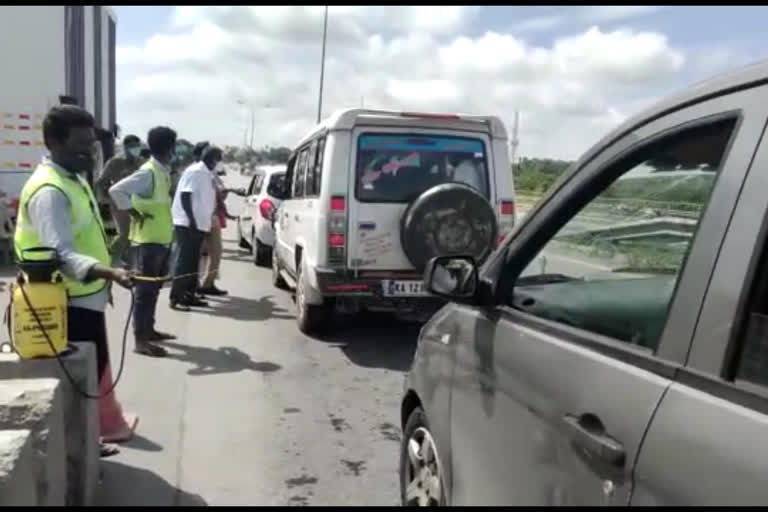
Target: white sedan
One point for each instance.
(254, 225)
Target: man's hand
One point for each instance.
(139, 217)
(123, 277)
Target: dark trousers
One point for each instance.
(187, 263)
(149, 260)
(86, 325)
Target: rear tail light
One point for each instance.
(336, 240)
(337, 229)
(338, 204)
(15, 205)
(267, 209)
(500, 240)
(507, 208)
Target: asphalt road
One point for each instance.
(248, 411)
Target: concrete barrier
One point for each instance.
(81, 415)
(17, 472)
(36, 405)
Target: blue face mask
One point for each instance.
(134, 152)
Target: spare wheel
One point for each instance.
(448, 219)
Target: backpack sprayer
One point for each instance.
(40, 331)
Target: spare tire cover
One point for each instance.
(448, 219)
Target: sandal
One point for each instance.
(108, 450)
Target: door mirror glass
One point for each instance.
(453, 277)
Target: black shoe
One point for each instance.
(195, 303)
(179, 306)
(213, 291)
(146, 348)
(159, 336)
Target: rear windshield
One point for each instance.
(276, 182)
(398, 168)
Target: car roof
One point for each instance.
(346, 119)
(730, 81)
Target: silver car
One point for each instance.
(614, 349)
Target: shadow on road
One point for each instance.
(247, 310)
(376, 341)
(212, 361)
(139, 442)
(235, 254)
(125, 485)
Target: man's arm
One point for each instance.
(50, 214)
(112, 170)
(186, 203)
(139, 183)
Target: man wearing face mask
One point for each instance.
(145, 195)
(57, 209)
(193, 207)
(117, 168)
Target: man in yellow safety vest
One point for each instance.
(57, 209)
(146, 196)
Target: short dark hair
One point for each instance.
(61, 118)
(199, 148)
(161, 140)
(129, 140)
(211, 153)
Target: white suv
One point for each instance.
(371, 196)
(255, 223)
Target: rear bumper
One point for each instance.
(346, 283)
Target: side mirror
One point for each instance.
(452, 277)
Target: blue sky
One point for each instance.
(575, 69)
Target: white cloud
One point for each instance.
(412, 58)
(569, 16)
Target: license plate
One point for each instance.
(403, 288)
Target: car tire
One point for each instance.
(421, 473)
(262, 254)
(277, 279)
(311, 318)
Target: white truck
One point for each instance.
(52, 55)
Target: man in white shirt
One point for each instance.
(193, 207)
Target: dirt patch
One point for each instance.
(300, 481)
(355, 466)
(339, 424)
(390, 432)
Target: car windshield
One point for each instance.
(398, 168)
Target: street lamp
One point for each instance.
(253, 118)
(322, 67)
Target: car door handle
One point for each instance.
(588, 433)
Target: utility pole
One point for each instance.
(514, 141)
(322, 67)
(253, 120)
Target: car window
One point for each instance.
(750, 357)
(256, 184)
(398, 168)
(612, 268)
(314, 169)
(299, 173)
(276, 183)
